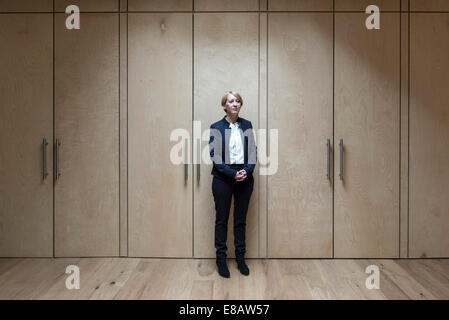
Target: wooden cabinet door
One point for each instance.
(86, 124)
(429, 135)
(160, 101)
(225, 58)
(26, 118)
(367, 88)
(300, 108)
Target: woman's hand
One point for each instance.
(240, 175)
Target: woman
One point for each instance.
(233, 153)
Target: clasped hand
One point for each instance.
(240, 175)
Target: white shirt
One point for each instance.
(236, 152)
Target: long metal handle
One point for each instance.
(57, 174)
(341, 158)
(198, 166)
(186, 160)
(44, 152)
(328, 175)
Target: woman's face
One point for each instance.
(233, 105)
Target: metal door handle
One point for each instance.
(186, 160)
(341, 158)
(58, 143)
(328, 159)
(198, 166)
(44, 152)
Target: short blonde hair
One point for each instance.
(225, 98)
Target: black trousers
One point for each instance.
(223, 191)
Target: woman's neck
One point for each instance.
(231, 119)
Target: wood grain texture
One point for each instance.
(366, 210)
(429, 129)
(226, 5)
(429, 5)
(160, 5)
(300, 108)
(293, 5)
(87, 124)
(270, 279)
(88, 5)
(160, 101)
(223, 63)
(360, 5)
(26, 118)
(26, 5)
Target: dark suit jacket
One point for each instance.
(219, 148)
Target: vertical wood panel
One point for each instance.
(225, 58)
(160, 97)
(367, 119)
(300, 107)
(87, 121)
(123, 129)
(263, 113)
(123, 135)
(404, 138)
(26, 118)
(429, 132)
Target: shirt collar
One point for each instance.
(237, 123)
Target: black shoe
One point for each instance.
(243, 268)
(223, 268)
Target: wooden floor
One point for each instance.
(134, 278)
